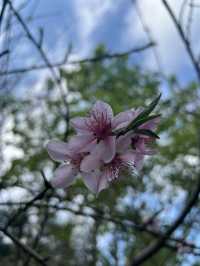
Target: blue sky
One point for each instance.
(86, 23)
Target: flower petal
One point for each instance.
(123, 142)
(128, 157)
(132, 159)
(82, 143)
(101, 107)
(58, 150)
(105, 150)
(90, 162)
(109, 149)
(123, 119)
(80, 124)
(142, 146)
(64, 176)
(152, 124)
(139, 159)
(95, 181)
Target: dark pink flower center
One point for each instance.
(76, 160)
(100, 125)
(113, 168)
(134, 142)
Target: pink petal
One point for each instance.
(80, 124)
(82, 143)
(152, 124)
(95, 181)
(128, 157)
(101, 107)
(110, 173)
(58, 150)
(90, 146)
(139, 161)
(122, 119)
(105, 150)
(123, 142)
(142, 148)
(90, 162)
(109, 148)
(132, 159)
(64, 176)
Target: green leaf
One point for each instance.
(141, 118)
(136, 123)
(149, 108)
(147, 132)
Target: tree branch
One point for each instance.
(153, 248)
(184, 38)
(24, 247)
(29, 203)
(35, 43)
(105, 56)
(125, 223)
(5, 2)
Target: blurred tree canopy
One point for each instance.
(70, 227)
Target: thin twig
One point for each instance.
(24, 247)
(182, 11)
(39, 48)
(184, 39)
(64, 61)
(5, 2)
(149, 35)
(189, 22)
(38, 236)
(29, 203)
(195, 5)
(155, 246)
(4, 53)
(118, 220)
(33, 40)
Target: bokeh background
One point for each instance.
(56, 59)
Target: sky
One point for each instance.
(87, 23)
(114, 23)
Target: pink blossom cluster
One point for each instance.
(103, 147)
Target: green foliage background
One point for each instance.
(67, 234)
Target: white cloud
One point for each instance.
(89, 13)
(169, 45)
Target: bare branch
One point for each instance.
(4, 53)
(29, 203)
(154, 247)
(149, 35)
(63, 62)
(182, 11)
(184, 38)
(189, 22)
(5, 2)
(24, 247)
(174, 243)
(39, 234)
(151, 220)
(195, 5)
(39, 48)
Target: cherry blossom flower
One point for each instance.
(108, 172)
(104, 146)
(130, 151)
(66, 173)
(143, 143)
(95, 132)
